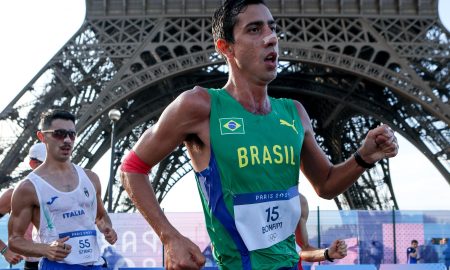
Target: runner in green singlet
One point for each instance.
(246, 150)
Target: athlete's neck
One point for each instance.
(254, 99)
(55, 165)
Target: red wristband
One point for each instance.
(133, 164)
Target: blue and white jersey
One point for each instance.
(411, 260)
(69, 214)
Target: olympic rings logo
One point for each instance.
(273, 237)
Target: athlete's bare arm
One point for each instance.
(337, 250)
(23, 208)
(24, 200)
(5, 207)
(185, 120)
(301, 233)
(5, 201)
(102, 220)
(330, 180)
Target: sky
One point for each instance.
(33, 31)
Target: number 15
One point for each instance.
(272, 213)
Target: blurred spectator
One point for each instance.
(113, 259)
(447, 255)
(411, 253)
(376, 253)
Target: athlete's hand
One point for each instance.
(110, 235)
(379, 143)
(12, 257)
(182, 253)
(338, 249)
(58, 250)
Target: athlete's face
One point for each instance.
(60, 138)
(255, 49)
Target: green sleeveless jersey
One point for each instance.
(249, 190)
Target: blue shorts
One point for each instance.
(46, 264)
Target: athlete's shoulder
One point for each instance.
(297, 104)
(24, 184)
(289, 104)
(196, 100)
(92, 175)
(197, 94)
(304, 117)
(89, 172)
(24, 189)
(94, 178)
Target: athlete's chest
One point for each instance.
(69, 204)
(244, 141)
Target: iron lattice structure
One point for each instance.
(352, 63)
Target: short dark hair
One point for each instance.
(53, 114)
(225, 18)
(414, 242)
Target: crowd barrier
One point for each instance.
(425, 266)
(372, 237)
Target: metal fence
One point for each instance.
(373, 237)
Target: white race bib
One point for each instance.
(266, 218)
(84, 247)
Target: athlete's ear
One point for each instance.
(40, 136)
(224, 47)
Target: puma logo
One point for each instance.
(52, 200)
(285, 123)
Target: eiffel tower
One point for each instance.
(353, 64)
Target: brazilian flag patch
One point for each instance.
(231, 126)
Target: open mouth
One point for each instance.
(271, 60)
(271, 57)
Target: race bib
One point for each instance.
(266, 218)
(84, 246)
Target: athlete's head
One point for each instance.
(37, 155)
(244, 34)
(49, 116)
(225, 18)
(414, 243)
(57, 131)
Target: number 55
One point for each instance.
(84, 243)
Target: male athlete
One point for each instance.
(36, 155)
(63, 201)
(246, 149)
